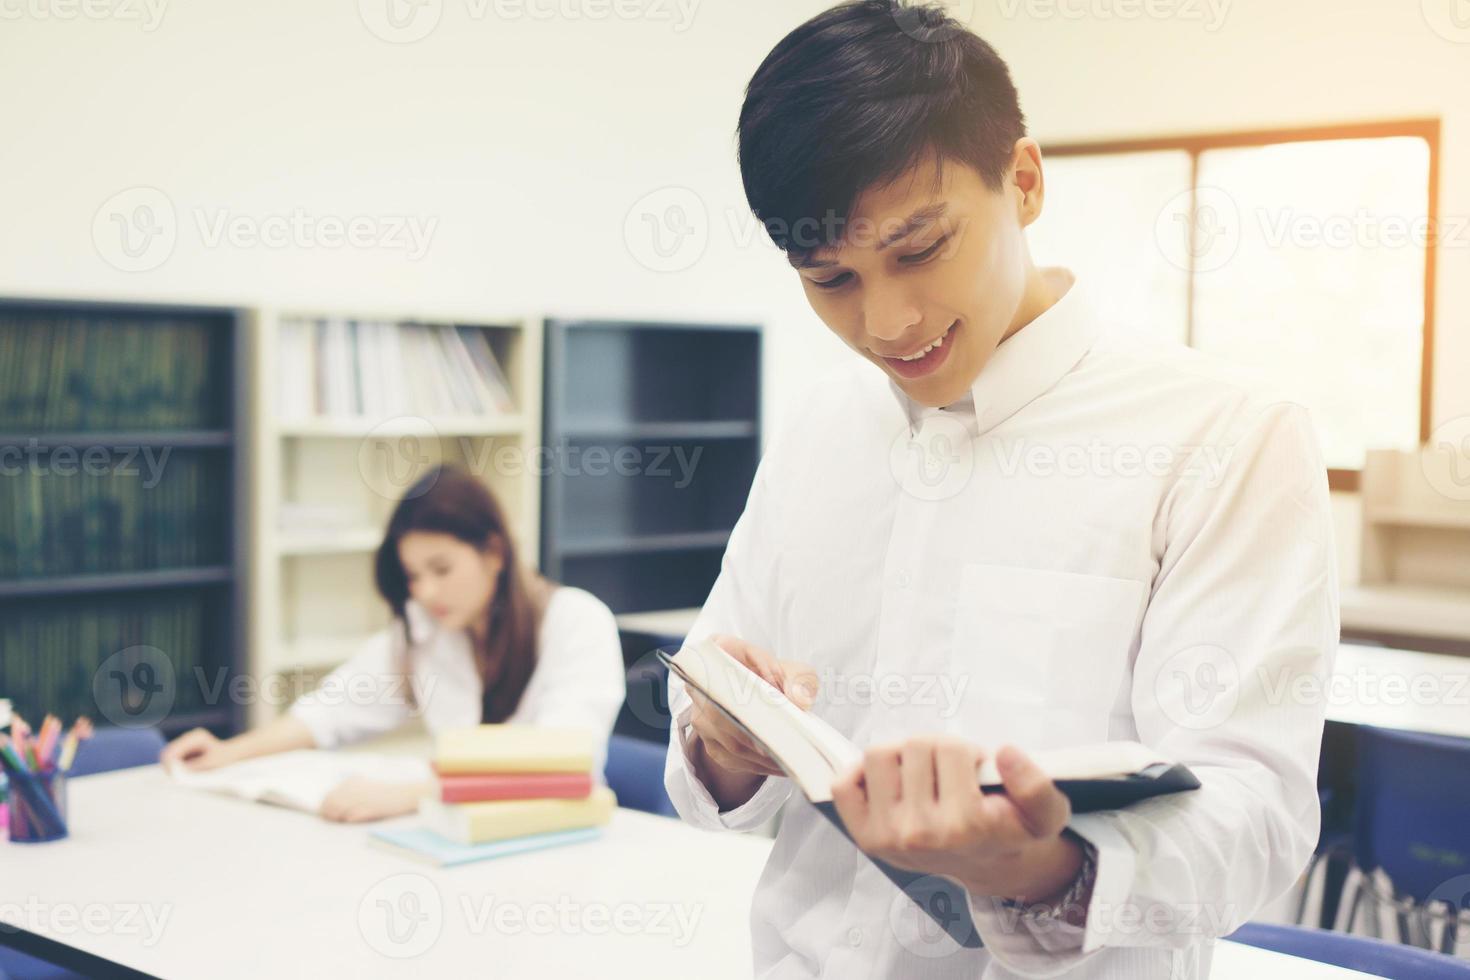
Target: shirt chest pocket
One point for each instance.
(1042, 654)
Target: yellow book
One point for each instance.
(513, 748)
(477, 823)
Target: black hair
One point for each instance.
(858, 96)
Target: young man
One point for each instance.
(1008, 530)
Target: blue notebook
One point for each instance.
(425, 845)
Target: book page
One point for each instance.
(300, 779)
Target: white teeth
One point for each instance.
(937, 343)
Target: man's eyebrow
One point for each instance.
(912, 223)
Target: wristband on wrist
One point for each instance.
(1086, 875)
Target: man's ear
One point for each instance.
(1026, 180)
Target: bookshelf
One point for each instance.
(328, 474)
(123, 442)
(1414, 580)
(654, 431)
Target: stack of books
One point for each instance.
(505, 789)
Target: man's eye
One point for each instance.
(832, 283)
(926, 254)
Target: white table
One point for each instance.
(236, 889)
(1389, 688)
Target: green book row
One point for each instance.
(127, 510)
(63, 373)
(117, 659)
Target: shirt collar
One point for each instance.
(1026, 364)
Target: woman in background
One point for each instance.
(475, 639)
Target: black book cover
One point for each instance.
(944, 900)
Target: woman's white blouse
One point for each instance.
(577, 681)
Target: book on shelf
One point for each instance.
(68, 372)
(372, 369)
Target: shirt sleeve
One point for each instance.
(1235, 651)
(737, 606)
(366, 696)
(579, 678)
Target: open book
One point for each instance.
(300, 779)
(813, 754)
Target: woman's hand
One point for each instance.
(358, 799)
(197, 749)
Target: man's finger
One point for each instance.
(916, 773)
(849, 795)
(754, 658)
(956, 771)
(881, 775)
(1044, 810)
(800, 683)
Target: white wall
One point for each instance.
(529, 140)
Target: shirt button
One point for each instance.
(854, 936)
(902, 579)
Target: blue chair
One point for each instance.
(1413, 825)
(635, 772)
(1382, 959)
(106, 750)
(117, 748)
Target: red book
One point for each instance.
(478, 787)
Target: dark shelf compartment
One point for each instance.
(635, 544)
(164, 438)
(674, 431)
(647, 581)
(680, 488)
(163, 578)
(619, 372)
(124, 375)
(647, 531)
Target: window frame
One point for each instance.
(1197, 143)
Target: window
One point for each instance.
(1306, 255)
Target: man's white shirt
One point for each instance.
(1106, 539)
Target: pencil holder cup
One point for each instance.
(38, 810)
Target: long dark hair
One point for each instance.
(449, 500)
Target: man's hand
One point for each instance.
(730, 765)
(918, 805)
